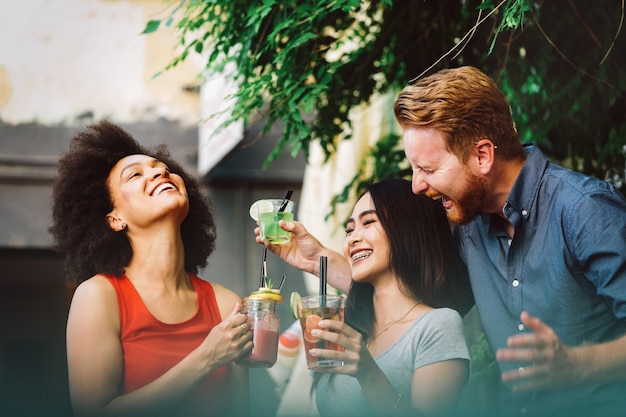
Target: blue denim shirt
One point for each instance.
(566, 265)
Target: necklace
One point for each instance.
(393, 322)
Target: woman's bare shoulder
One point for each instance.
(95, 296)
(226, 298)
(224, 292)
(96, 287)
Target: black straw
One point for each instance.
(323, 277)
(283, 205)
(263, 268)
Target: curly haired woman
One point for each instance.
(145, 335)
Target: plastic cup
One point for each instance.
(315, 308)
(269, 215)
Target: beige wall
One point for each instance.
(60, 59)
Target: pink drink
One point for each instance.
(264, 325)
(265, 348)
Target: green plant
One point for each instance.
(308, 63)
(484, 363)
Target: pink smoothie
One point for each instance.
(265, 348)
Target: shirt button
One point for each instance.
(524, 212)
(523, 411)
(515, 283)
(520, 327)
(509, 241)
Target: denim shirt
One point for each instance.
(566, 265)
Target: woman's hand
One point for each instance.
(357, 361)
(302, 251)
(228, 341)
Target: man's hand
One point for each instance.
(551, 364)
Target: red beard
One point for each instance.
(469, 205)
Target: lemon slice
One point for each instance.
(269, 290)
(260, 296)
(260, 206)
(295, 303)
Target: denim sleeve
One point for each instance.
(596, 233)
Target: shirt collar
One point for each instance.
(521, 198)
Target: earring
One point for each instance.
(123, 225)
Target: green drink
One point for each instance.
(268, 213)
(271, 231)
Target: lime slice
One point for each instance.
(260, 206)
(295, 303)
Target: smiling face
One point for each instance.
(439, 174)
(366, 245)
(143, 190)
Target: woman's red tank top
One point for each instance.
(152, 347)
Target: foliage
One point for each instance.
(483, 361)
(308, 63)
(566, 93)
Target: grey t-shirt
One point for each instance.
(436, 336)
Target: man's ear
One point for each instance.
(485, 152)
(115, 222)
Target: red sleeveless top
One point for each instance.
(152, 347)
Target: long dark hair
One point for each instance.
(81, 201)
(423, 254)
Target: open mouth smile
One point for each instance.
(362, 254)
(166, 186)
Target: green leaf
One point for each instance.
(151, 26)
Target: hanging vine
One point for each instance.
(306, 64)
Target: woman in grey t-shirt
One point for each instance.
(405, 350)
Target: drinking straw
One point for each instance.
(263, 268)
(282, 208)
(323, 277)
(282, 281)
(283, 205)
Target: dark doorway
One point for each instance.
(33, 310)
